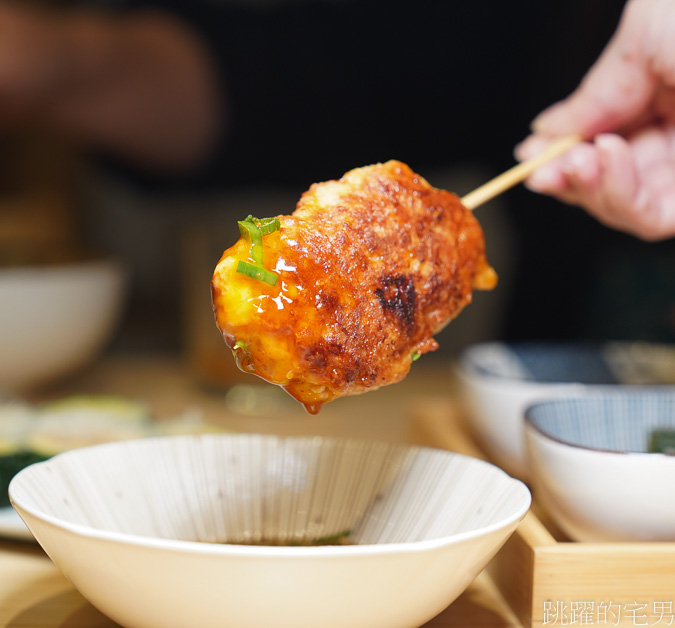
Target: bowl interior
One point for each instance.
(615, 421)
(270, 490)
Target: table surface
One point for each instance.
(34, 593)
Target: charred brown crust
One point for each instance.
(415, 248)
(397, 297)
(382, 261)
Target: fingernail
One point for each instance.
(574, 161)
(522, 151)
(548, 120)
(530, 147)
(543, 179)
(606, 142)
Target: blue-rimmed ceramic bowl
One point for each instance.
(593, 468)
(500, 380)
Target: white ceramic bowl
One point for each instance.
(55, 318)
(147, 530)
(500, 380)
(497, 385)
(592, 469)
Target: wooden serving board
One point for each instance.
(549, 580)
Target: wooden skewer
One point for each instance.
(517, 174)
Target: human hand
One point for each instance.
(624, 176)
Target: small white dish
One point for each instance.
(499, 380)
(496, 386)
(148, 530)
(55, 318)
(592, 469)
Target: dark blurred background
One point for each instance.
(316, 88)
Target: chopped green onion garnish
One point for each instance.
(416, 355)
(257, 272)
(249, 229)
(242, 345)
(662, 441)
(253, 230)
(264, 225)
(268, 225)
(257, 252)
(332, 539)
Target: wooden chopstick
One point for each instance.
(517, 174)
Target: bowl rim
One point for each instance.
(467, 365)
(609, 391)
(471, 374)
(308, 552)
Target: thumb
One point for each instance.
(616, 90)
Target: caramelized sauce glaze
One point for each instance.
(369, 269)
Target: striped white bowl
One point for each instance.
(499, 380)
(591, 467)
(148, 530)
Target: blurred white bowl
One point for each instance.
(500, 380)
(55, 318)
(497, 387)
(592, 469)
(150, 531)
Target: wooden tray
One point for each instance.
(551, 581)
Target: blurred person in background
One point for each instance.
(207, 95)
(141, 86)
(279, 89)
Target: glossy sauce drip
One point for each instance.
(283, 304)
(245, 364)
(313, 408)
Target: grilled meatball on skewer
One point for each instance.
(343, 295)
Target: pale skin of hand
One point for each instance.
(140, 86)
(624, 175)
